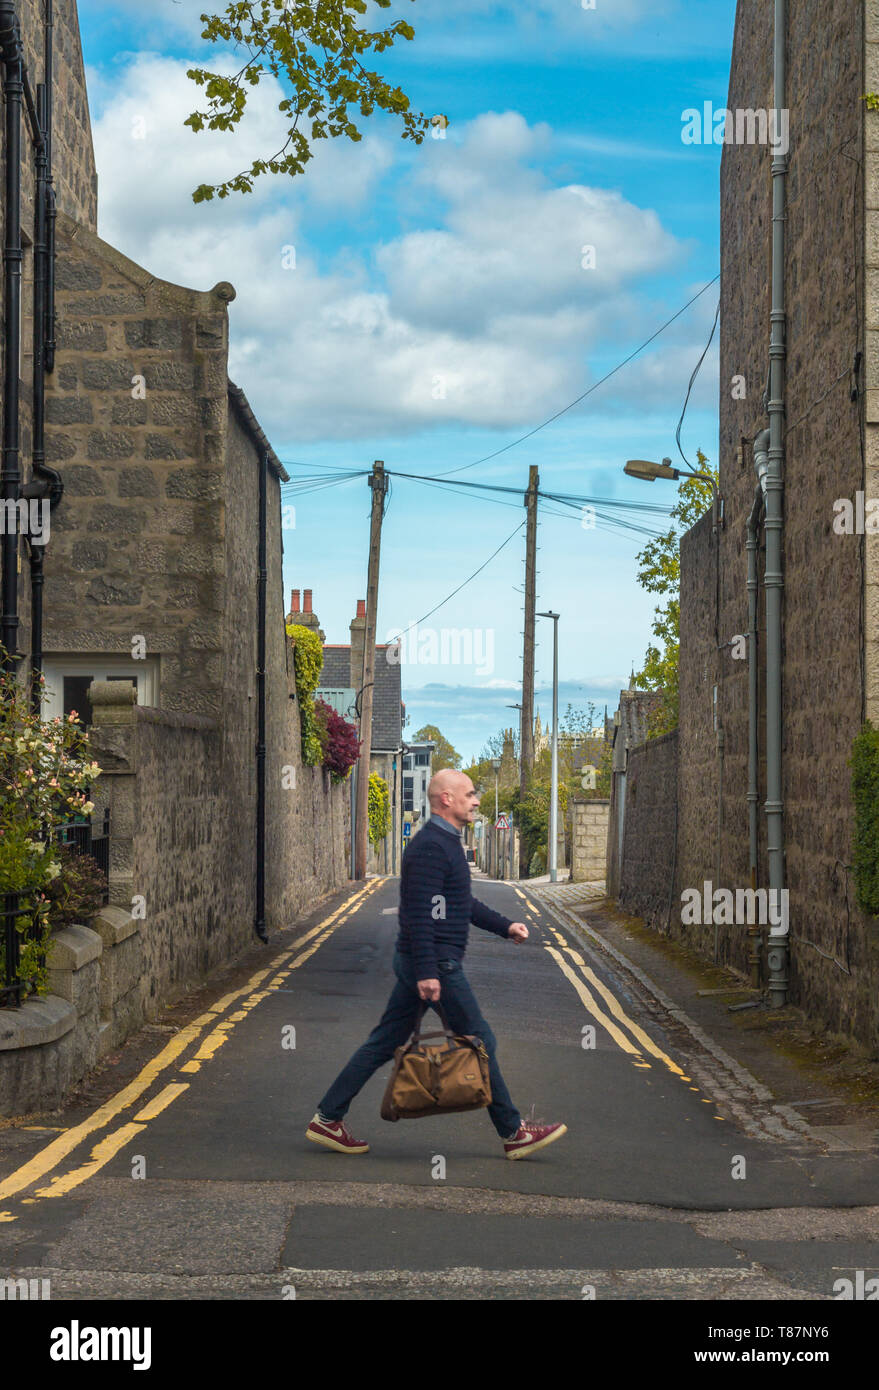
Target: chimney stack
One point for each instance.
(358, 643)
(304, 617)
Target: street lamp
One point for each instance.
(648, 472)
(554, 784)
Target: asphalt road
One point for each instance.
(194, 1180)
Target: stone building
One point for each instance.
(830, 656)
(343, 668)
(165, 546)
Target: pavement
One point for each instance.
(691, 1170)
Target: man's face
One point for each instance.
(463, 801)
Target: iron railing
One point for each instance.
(78, 837)
(15, 906)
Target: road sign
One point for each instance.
(407, 829)
(502, 822)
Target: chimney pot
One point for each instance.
(294, 601)
(361, 608)
(306, 600)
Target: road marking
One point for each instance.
(49, 1157)
(591, 1005)
(101, 1154)
(163, 1099)
(617, 1010)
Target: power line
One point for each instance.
(594, 387)
(690, 387)
(461, 586)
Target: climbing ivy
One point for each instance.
(864, 763)
(379, 808)
(308, 660)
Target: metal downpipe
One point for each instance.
(773, 580)
(10, 470)
(753, 735)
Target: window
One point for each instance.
(407, 794)
(422, 760)
(68, 680)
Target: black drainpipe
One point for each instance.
(50, 202)
(10, 474)
(47, 481)
(259, 924)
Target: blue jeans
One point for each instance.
(397, 1022)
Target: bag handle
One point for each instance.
(417, 1034)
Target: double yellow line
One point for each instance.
(612, 1017)
(256, 989)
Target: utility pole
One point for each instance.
(526, 726)
(378, 483)
(553, 846)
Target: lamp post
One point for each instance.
(510, 830)
(554, 783)
(496, 764)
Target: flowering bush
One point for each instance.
(341, 746)
(45, 774)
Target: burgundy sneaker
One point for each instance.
(334, 1135)
(530, 1136)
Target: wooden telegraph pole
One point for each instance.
(379, 484)
(526, 727)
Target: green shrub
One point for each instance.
(379, 808)
(308, 660)
(865, 793)
(77, 892)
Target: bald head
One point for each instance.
(452, 796)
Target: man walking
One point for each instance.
(436, 909)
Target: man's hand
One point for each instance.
(517, 932)
(428, 989)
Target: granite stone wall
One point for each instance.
(649, 842)
(589, 838)
(834, 970)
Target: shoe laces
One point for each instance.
(532, 1122)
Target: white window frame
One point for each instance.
(101, 666)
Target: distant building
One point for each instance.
(343, 670)
(416, 779)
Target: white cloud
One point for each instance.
(484, 316)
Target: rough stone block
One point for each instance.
(89, 555)
(110, 444)
(140, 481)
(195, 483)
(82, 481)
(68, 410)
(155, 333)
(80, 337)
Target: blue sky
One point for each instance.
(429, 305)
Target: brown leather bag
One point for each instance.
(437, 1079)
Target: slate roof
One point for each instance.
(387, 695)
